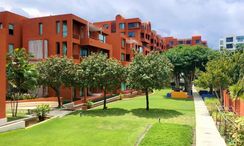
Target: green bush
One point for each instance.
(42, 110)
(89, 104)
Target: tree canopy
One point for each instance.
(21, 74)
(55, 72)
(149, 72)
(100, 72)
(186, 59)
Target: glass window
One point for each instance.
(122, 57)
(123, 43)
(10, 48)
(197, 41)
(123, 86)
(133, 25)
(102, 38)
(229, 46)
(106, 26)
(240, 38)
(142, 35)
(188, 42)
(11, 29)
(180, 42)
(64, 48)
(122, 26)
(57, 26)
(65, 29)
(1, 25)
(221, 42)
(57, 48)
(84, 52)
(229, 39)
(131, 34)
(40, 29)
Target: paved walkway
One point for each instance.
(59, 113)
(206, 132)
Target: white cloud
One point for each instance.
(181, 18)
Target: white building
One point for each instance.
(230, 42)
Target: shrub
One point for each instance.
(89, 104)
(42, 110)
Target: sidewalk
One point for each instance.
(206, 132)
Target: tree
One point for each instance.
(186, 59)
(22, 76)
(99, 72)
(149, 72)
(223, 72)
(56, 72)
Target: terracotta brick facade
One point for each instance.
(71, 36)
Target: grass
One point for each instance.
(120, 125)
(168, 134)
(20, 115)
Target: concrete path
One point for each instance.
(206, 132)
(59, 112)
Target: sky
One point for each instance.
(212, 19)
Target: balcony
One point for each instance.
(95, 42)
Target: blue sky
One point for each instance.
(212, 19)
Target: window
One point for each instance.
(40, 29)
(57, 27)
(122, 57)
(127, 57)
(197, 41)
(11, 29)
(113, 27)
(10, 48)
(65, 29)
(102, 38)
(106, 26)
(123, 43)
(133, 25)
(39, 48)
(122, 26)
(1, 25)
(171, 43)
(188, 42)
(64, 48)
(240, 38)
(221, 42)
(180, 42)
(84, 52)
(142, 35)
(229, 46)
(131, 34)
(229, 39)
(123, 86)
(57, 48)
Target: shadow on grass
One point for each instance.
(104, 113)
(155, 113)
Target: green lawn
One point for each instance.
(120, 125)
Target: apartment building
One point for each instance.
(230, 42)
(130, 35)
(170, 42)
(71, 36)
(10, 38)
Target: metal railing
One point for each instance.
(225, 124)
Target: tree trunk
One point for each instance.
(147, 101)
(73, 93)
(57, 90)
(85, 94)
(211, 89)
(221, 96)
(177, 80)
(104, 99)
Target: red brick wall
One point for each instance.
(237, 105)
